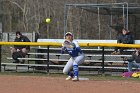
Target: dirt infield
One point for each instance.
(36, 84)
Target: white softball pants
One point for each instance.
(73, 61)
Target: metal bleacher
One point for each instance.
(94, 58)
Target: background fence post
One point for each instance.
(0, 58)
(103, 52)
(48, 58)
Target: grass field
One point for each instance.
(91, 77)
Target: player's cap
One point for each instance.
(68, 33)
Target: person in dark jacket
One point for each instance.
(134, 61)
(125, 37)
(20, 50)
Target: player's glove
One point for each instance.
(68, 44)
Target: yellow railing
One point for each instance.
(81, 44)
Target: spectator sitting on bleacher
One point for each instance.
(20, 51)
(125, 38)
(134, 61)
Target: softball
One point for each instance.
(48, 20)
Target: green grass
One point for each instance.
(113, 78)
(91, 77)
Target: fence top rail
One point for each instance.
(102, 43)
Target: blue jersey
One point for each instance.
(75, 51)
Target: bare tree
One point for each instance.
(30, 15)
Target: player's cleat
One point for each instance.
(75, 78)
(69, 78)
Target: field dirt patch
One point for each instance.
(41, 84)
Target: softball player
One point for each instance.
(77, 57)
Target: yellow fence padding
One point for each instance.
(81, 44)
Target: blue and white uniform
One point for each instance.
(77, 57)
